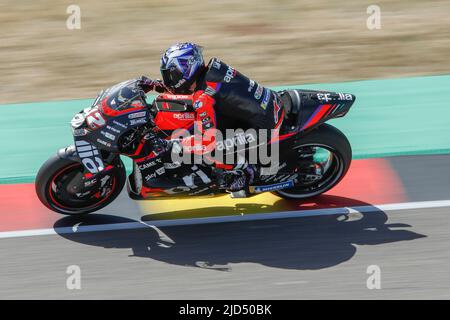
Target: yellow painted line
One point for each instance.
(203, 207)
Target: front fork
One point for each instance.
(89, 181)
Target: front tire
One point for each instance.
(334, 141)
(55, 168)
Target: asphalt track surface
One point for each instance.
(317, 257)
(305, 258)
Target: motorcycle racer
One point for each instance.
(220, 94)
(89, 174)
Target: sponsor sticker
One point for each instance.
(89, 183)
(258, 92)
(210, 91)
(266, 99)
(231, 73)
(173, 165)
(216, 64)
(149, 164)
(80, 132)
(198, 105)
(184, 116)
(108, 135)
(275, 186)
(177, 96)
(89, 155)
(276, 110)
(157, 172)
(345, 96)
(251, 85)
(138, 121)
(112, 129)
(137, 115)
(324, 96)
(103, 142)
(119, 124)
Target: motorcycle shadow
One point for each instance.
(306, 243)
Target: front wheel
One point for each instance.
(55, 187)
(325, 149)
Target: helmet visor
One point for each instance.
(171, 77)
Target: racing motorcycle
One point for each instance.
(89, 174)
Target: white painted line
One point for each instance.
(290, 282)
(224, 219)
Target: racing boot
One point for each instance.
(238, 181)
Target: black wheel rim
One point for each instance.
(331, 176)
(68, 202)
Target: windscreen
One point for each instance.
(122, 96)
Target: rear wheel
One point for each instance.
(324, 157)
(58, 180)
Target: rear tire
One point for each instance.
(54, 166)
(333, 140)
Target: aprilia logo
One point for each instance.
(238, 139)
(345, 96)
(184, 116)
(231, 73)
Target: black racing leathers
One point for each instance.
(226, 99)
(240, 98)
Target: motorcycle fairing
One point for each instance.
(180, 181)
(93, 128)
(312, 107)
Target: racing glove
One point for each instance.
(165, 148)
(148, 84)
